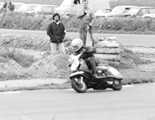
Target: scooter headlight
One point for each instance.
(99, 71)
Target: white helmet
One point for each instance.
(76, 44)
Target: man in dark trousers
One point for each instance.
(56, 32)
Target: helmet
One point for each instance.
(76, 44)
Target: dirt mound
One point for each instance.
(129, 59)
(50, 66)
(22, 56)
(11, 70)
(32, 64)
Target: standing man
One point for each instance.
(56, 32)
(86, 27)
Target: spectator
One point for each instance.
(86, 27)
(4, 8)
(11, 6)
(5, 5)
(56, 32)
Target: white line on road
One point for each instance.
(10, 92)
(25, 118)
(128, 86)
(19, 92)
(125, 86)
(70, 89)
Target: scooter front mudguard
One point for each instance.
(76, 74)
(81, 73)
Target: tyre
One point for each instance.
(78, 84)
(117, 85)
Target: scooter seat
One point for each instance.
(101, 67)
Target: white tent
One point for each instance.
(68, 7)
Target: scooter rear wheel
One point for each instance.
(117, 85)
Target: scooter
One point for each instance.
(82, 79)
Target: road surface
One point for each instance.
(132, 103)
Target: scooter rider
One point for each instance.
(87, 54)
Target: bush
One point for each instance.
(151, 25)
(125, 24)
(107, 24)
(132, 24)
(40, 22)
(22, 21)
(114, 3)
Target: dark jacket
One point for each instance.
(86, 52)
(56, 32)
(88, 56)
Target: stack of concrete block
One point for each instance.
(108, 51)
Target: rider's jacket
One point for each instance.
(88, 56)
(86, 52)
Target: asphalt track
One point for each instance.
(132, 103)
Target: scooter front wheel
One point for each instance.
(78, 84)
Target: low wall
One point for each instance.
(108, 51)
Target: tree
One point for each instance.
(114, 3)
